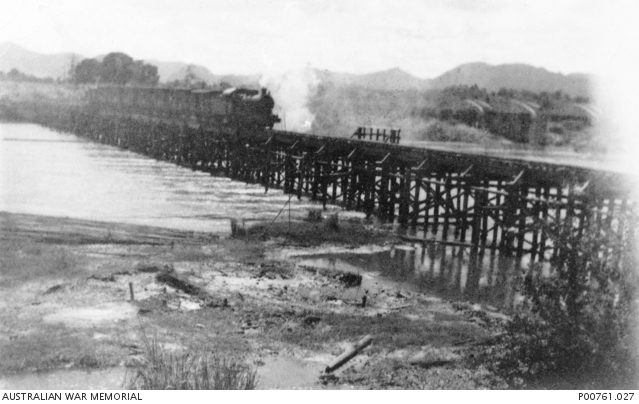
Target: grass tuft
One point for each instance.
(314, 216)
(238, 229)
(332, 222)
(162, 370)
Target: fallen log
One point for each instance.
(178, 282)
(170, 278)
(173, 280)
(400, 307)
(349, 354)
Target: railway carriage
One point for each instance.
(235, 107)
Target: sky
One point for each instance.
(423, 37)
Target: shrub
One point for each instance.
(161, 370)
(64, 261)
(438, 131)
(314, 216)
(332, 222)
(579, 321)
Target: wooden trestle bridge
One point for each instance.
(483, 203)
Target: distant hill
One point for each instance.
(393, 79)
(166, 69)
(171, 71)
(197, 72)
(492, 78)
(514, 76)
(56, 65)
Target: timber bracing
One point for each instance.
(479, 202)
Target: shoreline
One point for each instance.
(65, 304)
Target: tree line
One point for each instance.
(545, 99)
(18, 76)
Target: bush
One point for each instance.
(438, 131)
(314, 216)
(332, 222)
(579, 321)
(161, 370)
(64, 261)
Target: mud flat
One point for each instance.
(66, 308)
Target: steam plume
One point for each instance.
(292, 90)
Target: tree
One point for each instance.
(116, 68)
(15, 75)
(87, 71)
(144, 74)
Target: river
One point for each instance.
(47, 173)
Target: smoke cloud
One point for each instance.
(292, 91)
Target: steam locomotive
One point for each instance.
(236, 107)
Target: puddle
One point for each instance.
(289, 373)
(90, 316)
(102, 379)
(277, 373)
(444, 272)
(292, 252)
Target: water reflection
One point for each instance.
(452, 273)
(98, 379)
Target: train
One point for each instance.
(234, 107)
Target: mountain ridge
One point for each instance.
(55, 65)
(518, 76)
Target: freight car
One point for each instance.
(234, 107)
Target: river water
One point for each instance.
(48, 173)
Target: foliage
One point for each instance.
(332, 222)
(161, 370)
(545, 99)
(463, 92)
(144, 74)
(87, 71)
(116, 68)
(16, 75)
(438, 131)
(579, 321)
(340, 109)
(314, 215)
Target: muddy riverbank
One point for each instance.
(65, 306)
